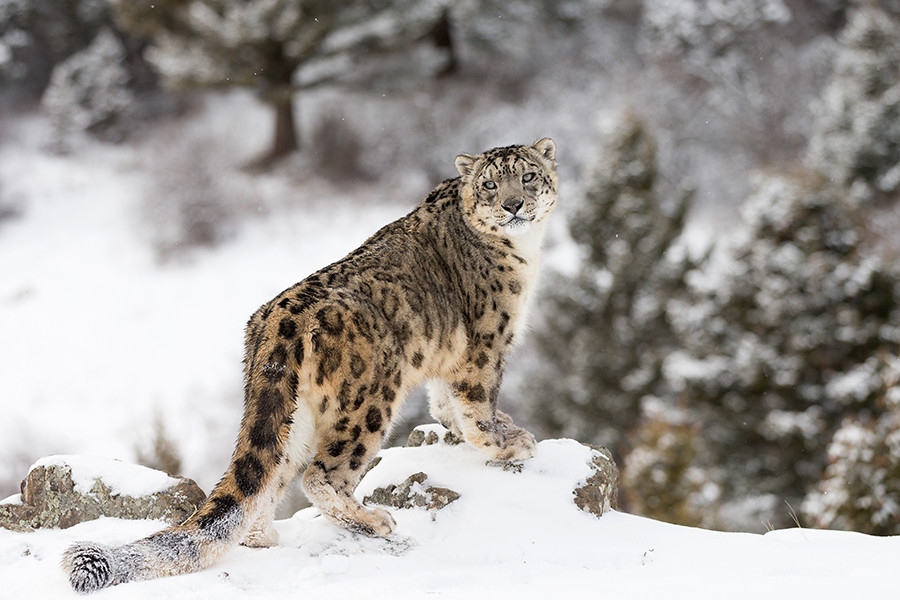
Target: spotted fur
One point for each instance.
(437, 297)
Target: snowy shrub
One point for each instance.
(504, 29)
(160, 452)
(195, 199)
(36, 35)
(606, 330)
(860, 489)
(9, 209)
(710, 27)
(856, 135)
(89, 92)
(745, 70)
(338, 150)
(719, 43)
(660, 478)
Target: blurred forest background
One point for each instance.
(720, 301)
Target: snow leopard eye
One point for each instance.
(527, 177)
(489, 185)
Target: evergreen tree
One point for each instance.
(276, 47)
(605, 330)
(861, 486)
(773, 338)
(856, 134)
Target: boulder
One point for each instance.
(62, 491)
(599, 493)
(412, 493)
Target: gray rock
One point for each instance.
(600, 491)
(412, 493)
(49, 499)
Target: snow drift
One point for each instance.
(511, 533)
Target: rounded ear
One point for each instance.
(546, 147)
(465, 164)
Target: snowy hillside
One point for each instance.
(509, 535)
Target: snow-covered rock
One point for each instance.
(439, 466)
(61, 491)
(412, 493)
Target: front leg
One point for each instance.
(472, 400)
(442, 405)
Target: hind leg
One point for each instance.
(262, 532)
(297, 449)
(331, 479)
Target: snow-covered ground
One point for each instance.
(509, 535)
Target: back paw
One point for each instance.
(375, 522)
(261, 537)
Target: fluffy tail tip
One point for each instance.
(89, 566)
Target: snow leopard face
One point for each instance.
(508, 190)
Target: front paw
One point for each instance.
(518, 444)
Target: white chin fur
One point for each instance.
(517, 227)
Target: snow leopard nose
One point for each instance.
(512, 205)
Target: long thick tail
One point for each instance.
(193, 545)
(271, 448)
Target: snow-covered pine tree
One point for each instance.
(772, 334)
(856, 134)
(605, 331)
(275, 47)
(90, 92)
(856, 143)
(861, 487)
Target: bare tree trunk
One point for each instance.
(284, 135)
(442, 36)
(280, 95)
(285, 140)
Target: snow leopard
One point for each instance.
(437, 297)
